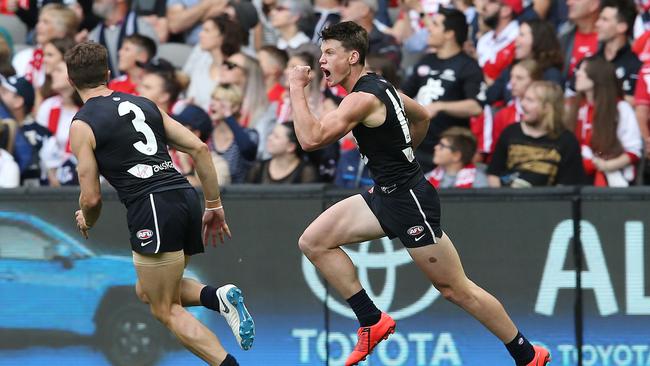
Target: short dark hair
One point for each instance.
(626, 12)
(351, 35)
(293, 138)
(456, 22)
(87, 65)
(144, 43)
(463, 140)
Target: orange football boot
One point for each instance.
(369, 337)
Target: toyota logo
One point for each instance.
(389, 260)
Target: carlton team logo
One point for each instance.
(389, 260)
(144, 234)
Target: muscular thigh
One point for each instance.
(348, 221)
(159, 276)
(439, 262)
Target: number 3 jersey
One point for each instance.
(386, 149)
(131, 145)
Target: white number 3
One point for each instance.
(151, 146)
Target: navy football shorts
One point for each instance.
(412, 214)
(166, 221)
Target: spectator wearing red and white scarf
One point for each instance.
(54, 21)
(453, 156)
(605, 125)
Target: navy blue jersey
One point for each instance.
(131, 149)
(386, 149)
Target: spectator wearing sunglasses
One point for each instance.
(285, 17)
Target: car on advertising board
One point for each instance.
(50, 282)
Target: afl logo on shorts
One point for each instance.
(145, 234)
(415, 230)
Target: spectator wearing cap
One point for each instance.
(578, 36)
(495, 49)
(135, 48)
(118, 21)
(244, 13)
(197, 121)
(231, 141)
(285, 17)
(363, 13)
(18, 95)
(220, 37)
(161, 84)
(186, 16)
(54, 21)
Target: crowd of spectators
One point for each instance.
(520, 93)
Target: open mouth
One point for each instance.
(326, 72)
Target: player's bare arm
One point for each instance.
(182, 139)
(314, 133)
(460, 109)
(418, 118)
(82, 143)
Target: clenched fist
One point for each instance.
(300, 76)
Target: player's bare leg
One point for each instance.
(231, 306)
(190, 289)
(441, 264)
(161, 286)
(348, 221)
(190, 292)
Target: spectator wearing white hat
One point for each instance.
(17, 94)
